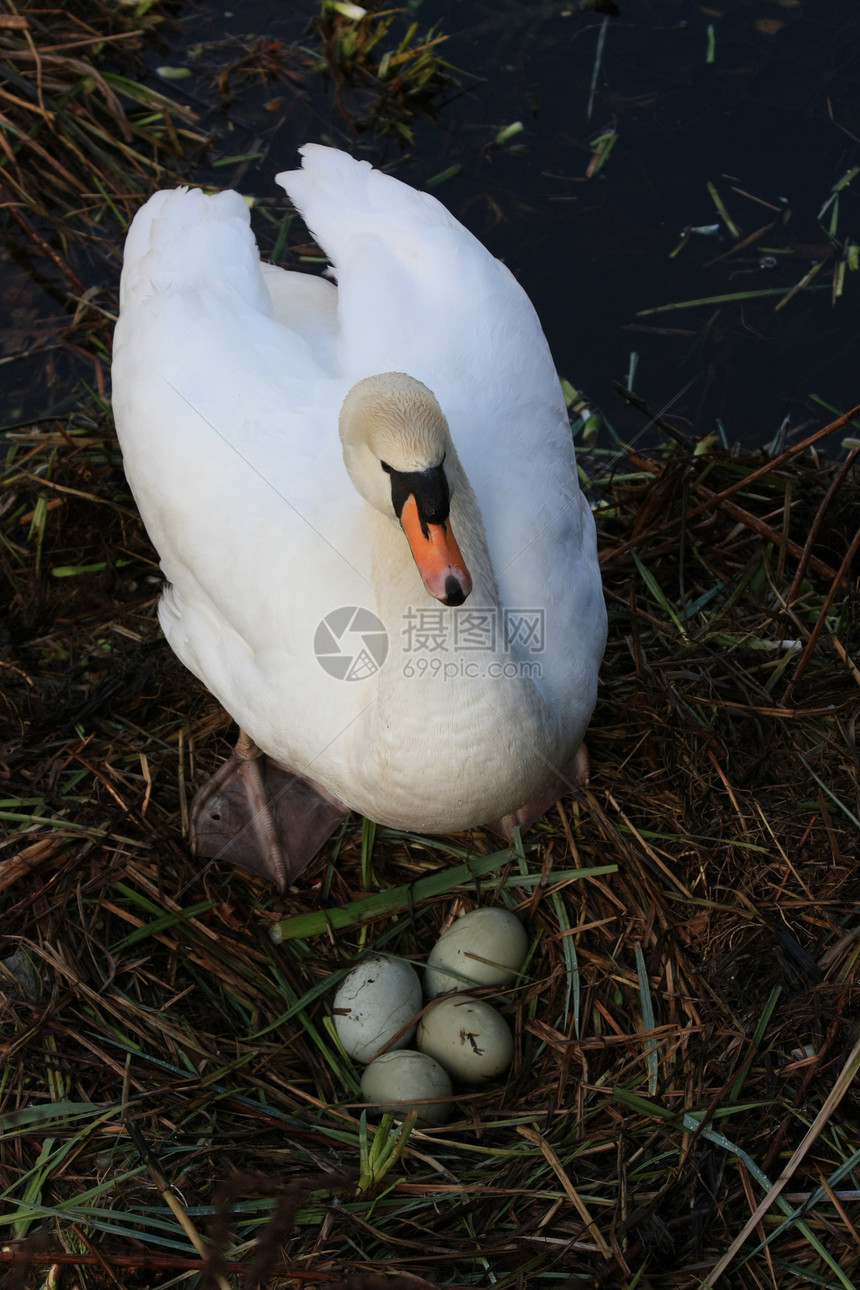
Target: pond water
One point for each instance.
(761, 101)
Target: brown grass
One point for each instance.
(174, 1110)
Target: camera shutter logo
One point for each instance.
(351, 643)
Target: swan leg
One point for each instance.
(576, 774)
(261, 816)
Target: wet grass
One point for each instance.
(682, 1109)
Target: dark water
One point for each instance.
(773, 122)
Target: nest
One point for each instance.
(174, 1106)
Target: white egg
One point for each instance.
(468, 1037)
(487, 946)
(397, 1081)
(377, 999)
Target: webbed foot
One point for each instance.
(261, 816)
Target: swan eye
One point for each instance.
(385, 466)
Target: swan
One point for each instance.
(365, 502)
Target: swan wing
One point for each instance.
(226, 410)
(418, 293)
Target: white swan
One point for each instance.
(230, 381)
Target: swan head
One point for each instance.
(398, 452)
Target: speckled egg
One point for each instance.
(405, 1079)
(377, 999)
(468, 1037)
(486, 946)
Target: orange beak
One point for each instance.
(435, 551)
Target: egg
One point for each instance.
(20, 969)
(377, 999)
(397, 1081)
(487, 946)
(468, 1037)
